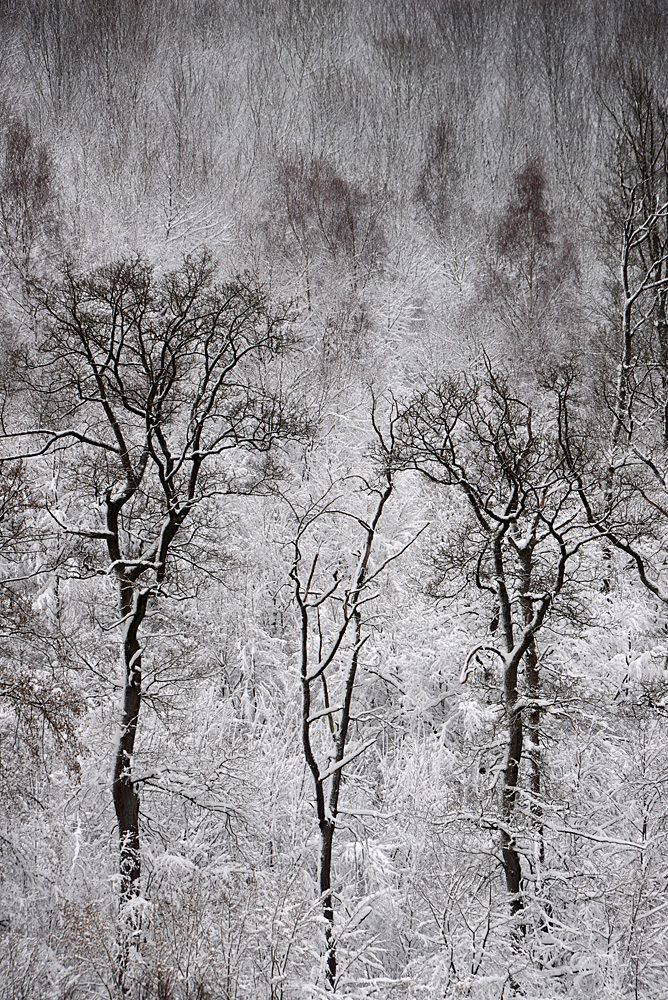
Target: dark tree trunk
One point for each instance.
(326, 840)
(662, 331)
(525, 556)
(328, 823)
(126, 798)
(511, 860)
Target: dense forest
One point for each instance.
(333, 499)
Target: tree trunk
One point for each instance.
(511, 860)
(662, 331)
(622, 408)
(326, 840)
(126, 799)
(525, 556)
(328, 825)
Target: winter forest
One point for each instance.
(333, 499)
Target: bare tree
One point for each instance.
(334, 627)
(143, 383)
(637, 228)
(622, 482)
(474, 434)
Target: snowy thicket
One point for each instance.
(333, 499)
